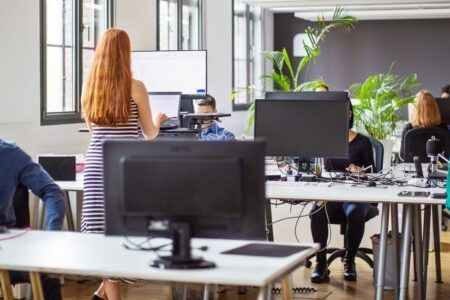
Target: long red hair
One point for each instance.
(107, 95)
(426, 111)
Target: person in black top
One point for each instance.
(425, 114)
(360, 157)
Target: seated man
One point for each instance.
(212, 131)
(17, 167)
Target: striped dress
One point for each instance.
(93, 214)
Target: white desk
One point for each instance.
(98, 255)
(388, 196)
(66, 187)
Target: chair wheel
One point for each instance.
(308, 264)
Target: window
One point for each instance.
(180, 24)
(247, 58)
(66, 53)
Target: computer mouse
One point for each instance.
(371, 183)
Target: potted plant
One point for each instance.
(287, 78)
(377, 102)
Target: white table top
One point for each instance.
(336, 192)
(98, 255)
(76, 186)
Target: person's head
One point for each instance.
(207, 105)
(107, 94)
(322, 88)
(426, 110)
(446, 91)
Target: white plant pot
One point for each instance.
(388, 145)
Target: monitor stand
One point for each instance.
(181, 257)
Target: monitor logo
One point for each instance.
(180, 148)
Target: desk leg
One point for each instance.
(36, 285)
(395, 244)
(206, 292)
(406, 250)
(79, 195)
(426, 244)
(5, 283)
(419, 249)
(269, 221)
(69, 215)
(41, 218)
(286, 288)
(437, 242)
(381, 270)
(265, 292)
(35, 213)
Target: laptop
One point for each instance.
(169, 104)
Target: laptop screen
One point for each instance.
(167, 103)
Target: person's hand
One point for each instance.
(161, 118)
(355, 169)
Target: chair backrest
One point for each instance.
(378, 153)
(416, 141)
(21, 207)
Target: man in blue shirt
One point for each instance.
(16, 167)
(212, 131)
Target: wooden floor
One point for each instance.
(336, 289)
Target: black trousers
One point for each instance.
(355, 216)
(51, 286)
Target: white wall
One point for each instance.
(20, 85)
(139, 19)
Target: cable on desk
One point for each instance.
(26, 230)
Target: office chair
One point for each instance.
(22, 212)
(363, 253)
(416, 140)
(21, 207)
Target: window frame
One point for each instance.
(59, 118)
(179, 17)
(248, 60)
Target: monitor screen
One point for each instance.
(306, 128)
(217, 187)
(162, 71)
(167, 103)
(444, 108)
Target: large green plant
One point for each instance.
(285, 76)
(378, 100)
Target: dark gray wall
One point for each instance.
(416, 46)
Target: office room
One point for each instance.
(224, 149)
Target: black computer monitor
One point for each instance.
(183, 189)
(335, 95)
(307, 128)
(444, 108)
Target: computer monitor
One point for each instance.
(167, 103)
(161, 71)
(335, 95)
(444, 108)
(307, 128)
(208, 190)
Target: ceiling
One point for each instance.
(361, 9)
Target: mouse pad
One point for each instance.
(268, 250)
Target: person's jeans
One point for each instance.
(51, 286)
(353, 213)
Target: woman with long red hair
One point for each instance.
(114, 105)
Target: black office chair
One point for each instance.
(21, 207)
(363, 253)
(416, 140)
